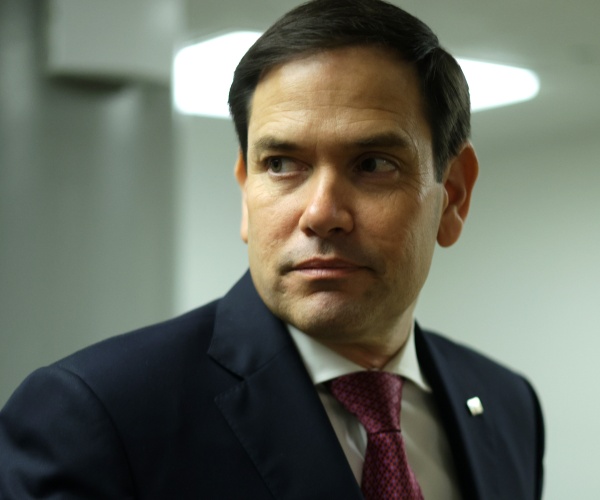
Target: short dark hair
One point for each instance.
(322, 25)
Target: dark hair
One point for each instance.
(321, 25)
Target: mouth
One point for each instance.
(326, 268)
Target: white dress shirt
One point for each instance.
(426, 444)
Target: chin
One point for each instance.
(329, 322)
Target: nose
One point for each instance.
(328, 206)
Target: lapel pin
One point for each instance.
(475, 407)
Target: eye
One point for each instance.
(376, 165)
(282, 165)
(275, 164)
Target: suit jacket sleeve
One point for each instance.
(57, 441)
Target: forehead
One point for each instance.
(347, 89)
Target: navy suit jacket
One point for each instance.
(217, 404)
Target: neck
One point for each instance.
(373, 354)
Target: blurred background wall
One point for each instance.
(86, 202)
(115, 212)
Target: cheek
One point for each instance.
(270, 223)
(391, 222)
(404, 232)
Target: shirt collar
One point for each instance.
(323, 364)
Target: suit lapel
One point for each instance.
(472, 438)
(274, 410)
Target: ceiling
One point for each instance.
(560, 41)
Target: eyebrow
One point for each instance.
(384, 140)
(272, 143)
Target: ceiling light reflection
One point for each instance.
(203, 72)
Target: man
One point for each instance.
(354, 160)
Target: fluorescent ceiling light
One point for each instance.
(494, 85)
(203, 72)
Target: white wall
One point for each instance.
(210, 256)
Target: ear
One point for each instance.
(459, 180)
(241, 174)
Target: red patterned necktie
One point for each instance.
(375, 397)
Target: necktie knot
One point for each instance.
(374, 397)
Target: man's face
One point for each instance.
(341, 205)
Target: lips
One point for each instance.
(319, 268)
(326, 264)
